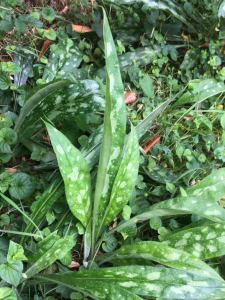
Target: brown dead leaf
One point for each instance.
(74, 264)
(130, 98)
(65, 9)
(11, 171)
(80, 28)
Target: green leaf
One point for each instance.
(75, 173)
(76, 296)
(221, 12)
(5, 82)
(55, 101)
(5, 179)
(4, 220)
(15, 253)
(2, 35)
(7, 293)
(6, 25)
(207, 88)
(11, 273)
(20, 26)
(42, 247)
(156, 223)
(5, 157)
(147, 86)
(4, 245)
(125, 180)
(45, 202)
(21, 186)
(25, 61)
(190, 59)
(57, 251)
(5, 122)
(164, 255)
(7, 137)
(48, 13)
(35, 155)
(50, 217)
(109, 243)
(203, 242)
(126, 212)
(51, 35)
(113, 132)
(10, 67)
(125, 282)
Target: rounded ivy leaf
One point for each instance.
(7, 293)
(156, 223)
(22, 187)
(7, 137)
(5, 82)
(5, 157)
(5, 122)
(48, 13)
(10, 67)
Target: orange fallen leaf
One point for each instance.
(80, 28)
(130, 98)
(203, 45)
(43, 49)
(147, 148)
(65, 9)
(74, 264)
(11, 171)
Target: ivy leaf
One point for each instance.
(188, 7)
(6, 25)
(156, 223)
(147, 86)
(21, 186)
(10, 67)
(109, 243)
(35, 155)
(5, 122)
(4, 220)
(11, 273)
(15, 253)
(190, 59)
(7, 293)
(5, 82)
(126, 212)
(5, 157)
(50, 217)
(7, 137)
(48, 13)
(20, 26)
(51, 34)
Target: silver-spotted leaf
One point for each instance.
(76, 175)
(125, 180)
(164, 255)
(113, 132)
(203, 242)
(141, 280)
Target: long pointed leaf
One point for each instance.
(125, 179)
(164, 255)
(141, 280)
(75, 173)
(113, 132)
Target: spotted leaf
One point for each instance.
(125, 180)
(125, 282)
(164, 255)
(58, 100)
(207, 89)
(25, 62)
(113, 132)
(203, 242)
(58, 251)
(76, 175)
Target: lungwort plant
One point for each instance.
(171, 269)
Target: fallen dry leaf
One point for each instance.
(147, 148)
(43, 49)
(80, 28)
(65, 9)
(11, 171)
(130, 98)
(74, 264)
